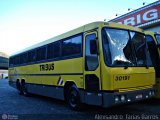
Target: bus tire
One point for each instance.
(18, 85)
(24, 88)
(73, 98)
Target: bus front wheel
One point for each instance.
(73, 98)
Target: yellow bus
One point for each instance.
(100, 63)
(153, 41)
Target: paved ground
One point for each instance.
(15, 106)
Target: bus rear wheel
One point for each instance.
(73, 98)
(24, 88)
(18, 85)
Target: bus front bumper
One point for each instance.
(112, 99)
(109, 99)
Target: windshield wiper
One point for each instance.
(120, 62)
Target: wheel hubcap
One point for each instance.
(73, 99)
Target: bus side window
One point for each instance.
(53, 50)
(32, 56)
(23, 58)
(91, 59)
(41, 53)
(72, 46)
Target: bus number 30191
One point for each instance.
(119, 78)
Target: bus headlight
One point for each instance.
(150, 93)
(122, 98)
(153, 93)
(116, 99)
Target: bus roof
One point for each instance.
(78, 30)
(151, 32)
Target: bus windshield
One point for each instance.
(158, 38)
(124, 48)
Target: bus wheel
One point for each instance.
(24, 88)
(18, 85)
(73, 98)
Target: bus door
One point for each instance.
(154, 53)
(155, 57)
(92, 81)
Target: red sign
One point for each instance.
(141, 17)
